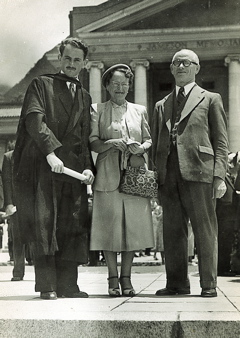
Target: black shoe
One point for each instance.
(209, 292)
(51, 295)
(79, 294)
(173, 291)
(16, 279)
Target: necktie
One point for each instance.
(180, 98)
(72, 89)
(180, 95)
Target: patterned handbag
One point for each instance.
(139, 182)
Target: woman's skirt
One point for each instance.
(121, 222)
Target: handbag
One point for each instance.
(139, 181)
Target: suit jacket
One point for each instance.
(50, 121)
(107, 165)
(201, 142)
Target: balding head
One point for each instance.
(188, 53)
(184, 67)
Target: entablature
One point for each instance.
(158, 45)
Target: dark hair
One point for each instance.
(127, 72)
(75, 42)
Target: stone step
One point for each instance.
(24, 314)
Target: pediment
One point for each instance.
(129, 13)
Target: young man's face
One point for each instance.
(72, 61)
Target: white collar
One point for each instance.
(187, 88)
(73, 84)
(115, 105)
(68, 82)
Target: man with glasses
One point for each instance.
(190, 149)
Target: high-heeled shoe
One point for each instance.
(127, 291)
(113, 292)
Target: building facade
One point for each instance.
(146, 33)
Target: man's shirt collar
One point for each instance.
(187, 88)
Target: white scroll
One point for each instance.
(74, 174)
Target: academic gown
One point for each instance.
(56, 124)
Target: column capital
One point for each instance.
(139, 62)
(231, 57)
(96, 64)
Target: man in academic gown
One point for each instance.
(52, 207)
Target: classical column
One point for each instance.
(140, 67)
(233, 62)
(95, 90)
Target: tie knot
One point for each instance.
(181, 90)
(180, 95)
(72, 86)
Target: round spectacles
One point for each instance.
(185, 62)
(119, 84)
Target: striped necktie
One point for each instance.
(180, 98)
(180, 95)
(72, 89)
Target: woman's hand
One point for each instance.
(55, 163)
(118, 143)
(136, 149)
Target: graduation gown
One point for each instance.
(54, 123)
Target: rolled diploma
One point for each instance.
(74, 174)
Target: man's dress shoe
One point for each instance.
(172, 291)
(16, 279)
(209, 292)
(51, 295)
(79, 294)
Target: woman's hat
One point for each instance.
(105, 74)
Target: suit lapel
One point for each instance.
(195, 97)
(168, 110)
(108, 108)
(65, 98)
(76, 110)
(129, 117)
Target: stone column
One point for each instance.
(140, 67)
(233, 62)
(95, 88)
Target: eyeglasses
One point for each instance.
(119, 84)
(185, 62)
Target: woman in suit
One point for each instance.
(119, 135)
